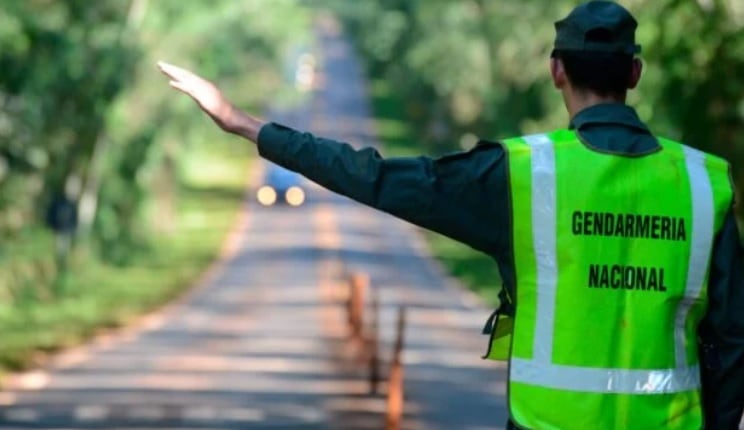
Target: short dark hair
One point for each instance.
(604, 73)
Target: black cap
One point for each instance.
(597, 26)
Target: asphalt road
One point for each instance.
(261, 342)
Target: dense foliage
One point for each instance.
(84, 129)
(480, 66)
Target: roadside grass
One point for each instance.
(98, 296)
(475, 270)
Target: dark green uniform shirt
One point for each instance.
(465, 196)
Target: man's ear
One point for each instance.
(558, 73)
(635, 73)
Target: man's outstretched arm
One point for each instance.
(463, 196)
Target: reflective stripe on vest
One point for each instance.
(707, 199)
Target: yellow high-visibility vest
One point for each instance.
(611, 254)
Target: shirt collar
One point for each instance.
(608, 113)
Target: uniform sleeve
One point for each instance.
(463, 196)
(722, 333)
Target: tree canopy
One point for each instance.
(84, 128)
(481, 66)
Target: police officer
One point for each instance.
(623, 303)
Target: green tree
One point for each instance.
(485, 64)
(83, 115)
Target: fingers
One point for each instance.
(179, 86)
(178, 76)
(165, 69)
(174, 72)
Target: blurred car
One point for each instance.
(281, 186)
(305, 72)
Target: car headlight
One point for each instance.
(266, 195)
(295, 196)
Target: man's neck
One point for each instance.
(577, 102)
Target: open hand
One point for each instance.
(209, 98)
